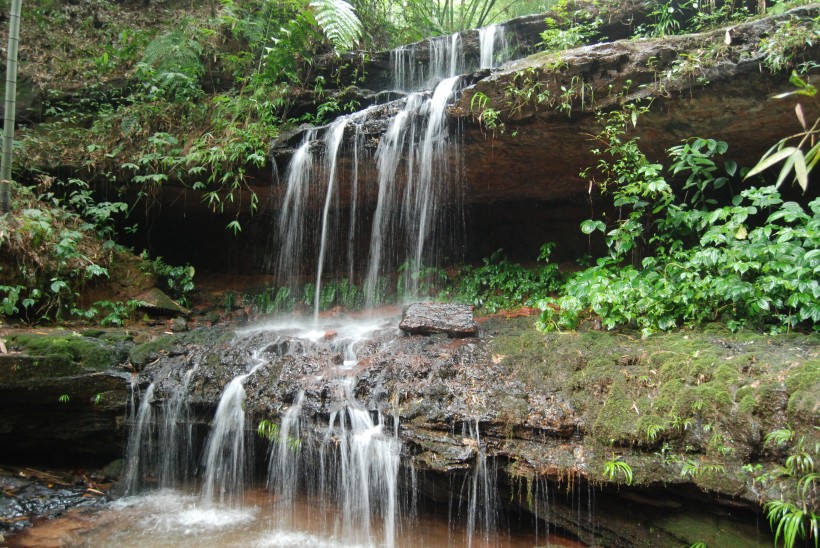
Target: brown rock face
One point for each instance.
(456, 320)
(697, 87)
(521, 187)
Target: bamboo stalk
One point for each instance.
(11, 106)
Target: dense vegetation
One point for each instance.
(196, 99)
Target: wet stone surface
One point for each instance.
(456, 320)
(26, 499)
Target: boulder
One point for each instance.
(456, 320)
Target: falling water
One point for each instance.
(482, 493)
(403, 61)
(333, 139)
(369, 465)
(225, 460)
(293, 213)
(445, 60)
(407, 221)
(493, 46)
(140, 444)
(284, 460)
(176, 438)
(388, 155)
(432, 174)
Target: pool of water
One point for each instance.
(171, 518)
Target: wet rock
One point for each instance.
(456, 320)
(62, 397)
(156, 301)
(179, 324)
(29, 496)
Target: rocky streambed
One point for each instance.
(551, 415)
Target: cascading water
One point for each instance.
(346, 472)
(160, 445)
(332, 141)
(293, 219)
(445, 60)
(493, 46)
(140, 443)
(224, 456)
(482, 495)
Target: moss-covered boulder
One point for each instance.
(63, 397)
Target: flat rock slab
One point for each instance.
(427, 318)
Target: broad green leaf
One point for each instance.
(801, 172)
(767, 162)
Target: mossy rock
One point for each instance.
(142, 354)
(62, 354)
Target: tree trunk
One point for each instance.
(11, 106)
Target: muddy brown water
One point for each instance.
(172, 518)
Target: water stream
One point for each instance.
(338, 480)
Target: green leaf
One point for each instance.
(801, 173)
(339, 22)
(589, 226)
(767, 162)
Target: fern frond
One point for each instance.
(339, 22)
(174, 52)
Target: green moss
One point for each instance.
(725, 374)
(804, 377)
(141, 354)
(617, 422)
(711, 400)
(747, 405)
(64, 354)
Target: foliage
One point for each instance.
(578, 32)
(675, 260)
(171, 65)
(115, 313)
(793, 158)
(52, 247)
(178, 280)
(435, 17)
(791, 522)
(485, 115)
(792, 35)
(270, 431)
(498, 283)
(615, 467)
(339, 22)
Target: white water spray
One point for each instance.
(225, 450)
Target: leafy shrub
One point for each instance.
(499, 283)
(685, 260)
(581, 30)
(53, 246)
(178, 280)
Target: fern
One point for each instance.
(339, 22)
(174, 52)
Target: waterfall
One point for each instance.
(176, 437)
(224, 456)
(388, 155)
(284, 460)
(403, 62)
(160, 444)
(482, 493)
(493, 46)
(407, 221)
(293, 216)
(140, 443)
(355, 465)
(333, 139)
(445, 60)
